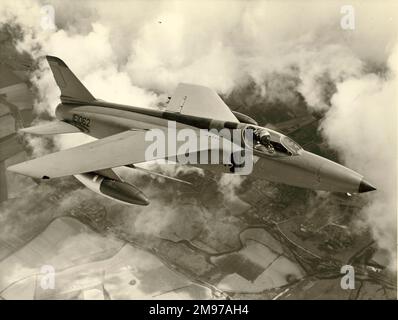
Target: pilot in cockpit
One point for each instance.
(262, 140)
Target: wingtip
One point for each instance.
(23, 130)
(23, 168)
(55, 59)
(15, 168)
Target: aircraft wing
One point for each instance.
(200, 101)
(121, 149)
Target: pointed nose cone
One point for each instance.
(331, 176)
(365, 186)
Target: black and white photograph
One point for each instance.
(198, 150)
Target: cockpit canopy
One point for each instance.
(269, 142)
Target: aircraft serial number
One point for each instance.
(85, 122)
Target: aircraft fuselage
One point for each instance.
(290, 164)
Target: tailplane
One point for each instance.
(72, 90)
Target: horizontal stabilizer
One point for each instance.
(56, 127)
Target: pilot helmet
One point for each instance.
(264, 136)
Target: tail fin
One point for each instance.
(72, 90)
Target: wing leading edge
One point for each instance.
(128, 147)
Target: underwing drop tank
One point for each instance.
(117, 190)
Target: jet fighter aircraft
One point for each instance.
(121, 129)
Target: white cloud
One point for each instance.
(362, 125)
